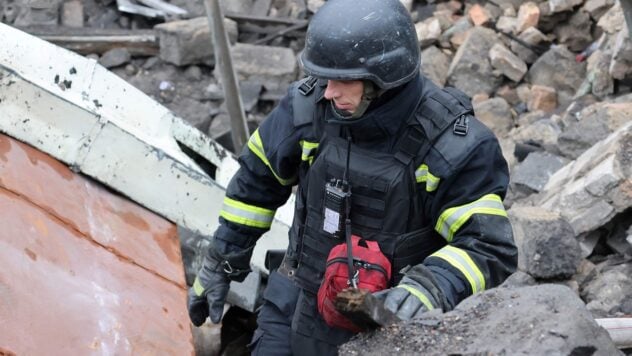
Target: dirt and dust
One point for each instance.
(538, 320)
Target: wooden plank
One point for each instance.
(95, 40)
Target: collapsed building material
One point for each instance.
(88, 118)
(95, 40)
(538, 320)
(186, 42)
(83, 270)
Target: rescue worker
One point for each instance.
(427, 182)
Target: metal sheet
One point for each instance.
(70, 107)
(83, 271)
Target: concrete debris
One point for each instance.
(115, 57)
(547, 248)
(435, 64)
(534, 172)
(187, 42)
(609, 291)
(507, 62)
(496, 114)
(546, 71)
(470, 69)
(538, 320)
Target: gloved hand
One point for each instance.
(208, 294)
(410, 298)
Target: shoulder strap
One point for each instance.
(306, 95)
(439, 111)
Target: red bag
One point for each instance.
(373, 274)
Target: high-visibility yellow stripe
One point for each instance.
(197, 287)
(256, 146)
(245, 214)
(417, 293)
(422, 174)
(308, 151)
(460, 260)
(451, 220)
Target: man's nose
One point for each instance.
(332, 90)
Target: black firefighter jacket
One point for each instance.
(464, 179)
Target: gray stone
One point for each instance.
(528, 16)
(460, 26)
(496, 114)
(591, 190)
(531, 36)
(596, 8)
(435, 65)
(507, 24)
(558, 69)
(621, 64)
(563, 5)
(249, 92)
(507, 63)
(576, 32)
(598, 77)
(538, 320)
(519, 279)
(428, 31)
(196, 113)
(547, 248)
(534, 172)
(115, 57)
(543, 133)
(470, 69)
(613, 20)
(38, 12)
(275, 67)
(595, 123)
(189, 41)
(610, 291)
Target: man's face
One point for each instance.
(346, 94)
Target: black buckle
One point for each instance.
(307, 85)
(461, 125)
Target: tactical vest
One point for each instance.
(386, 200)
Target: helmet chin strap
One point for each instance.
(369, 93)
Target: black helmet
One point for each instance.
(362, 39)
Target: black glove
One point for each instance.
(208, 294)
(413, 296)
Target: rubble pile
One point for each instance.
(550, 77)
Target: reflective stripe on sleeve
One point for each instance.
(452, 219)
(460, 260)
(197, 287)
(308, 151)
(256, 146)
(422, 297)
(244, 214)
(422, 174)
